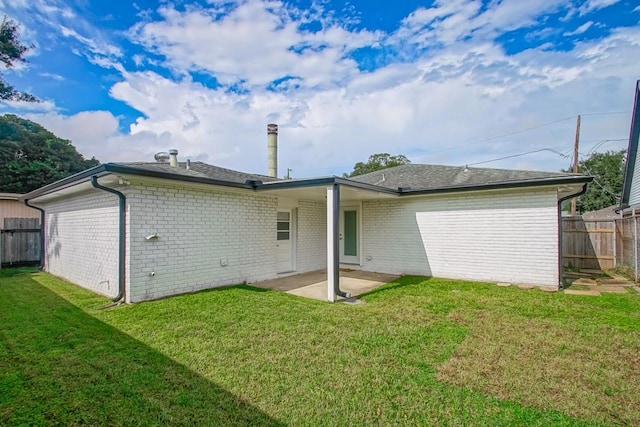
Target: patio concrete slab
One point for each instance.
(576, 274)
(611, 289)
(314, 284)
(288, 283)
(617, 281)
(593, 272)
(577, 292)
(584, 281)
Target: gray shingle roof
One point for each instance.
(425, 177)
(202, 170)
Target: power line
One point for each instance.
(604, 113)
(519, 155)
(597, 182)
(564, 155)
(604, 141)
(503, 135)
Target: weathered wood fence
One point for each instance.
(601, 243)
(627, 244)
(20, 241)
(588, 243)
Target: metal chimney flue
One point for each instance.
(173, 157)
(272, 150)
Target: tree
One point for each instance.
(31, 156)
(11, 52)
(605, 189)
(377, 162)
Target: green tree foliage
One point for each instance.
(608, 172)
(376, 162)
(11, 52)
(31, 156)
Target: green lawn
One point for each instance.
(418, 352)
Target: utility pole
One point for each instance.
(574, 201)
(289, 170)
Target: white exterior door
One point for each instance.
(284, 236)
(350, 235)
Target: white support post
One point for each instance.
(333, 200)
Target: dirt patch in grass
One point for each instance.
(589, 372)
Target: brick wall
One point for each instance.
(205, 239)
(491, 236)
(311, 236)
(81, 240)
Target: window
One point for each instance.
(284, 225)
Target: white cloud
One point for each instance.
(89, 131)
(593, 5)
(21, 106)
(93, 45)
(448, 99)
(256, 42)
(52, 76)
(580, 30)
(451, 21)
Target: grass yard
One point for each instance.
(418, 352)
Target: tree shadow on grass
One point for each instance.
(60, 366)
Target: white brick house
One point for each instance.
(140, 231)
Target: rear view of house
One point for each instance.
(141, 231)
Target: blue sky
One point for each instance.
(445, 82)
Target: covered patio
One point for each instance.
(343, 200)
(314, 284)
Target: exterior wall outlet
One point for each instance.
(224, 262)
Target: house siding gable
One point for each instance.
(496, 236)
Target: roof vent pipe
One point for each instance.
(173, 157)
(161, 157)
(272, 150)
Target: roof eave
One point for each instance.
(107, 168)
(502, 185)
(116, 168)
(65, 182)
(316, 182)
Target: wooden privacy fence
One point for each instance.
(627, 248)
(588, 243)
(20, 241)
(601, 244)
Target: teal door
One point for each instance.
(350, 235)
